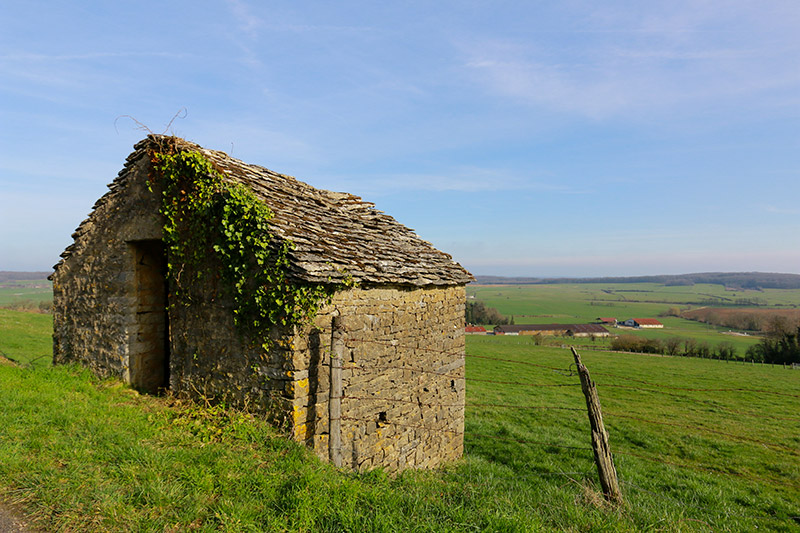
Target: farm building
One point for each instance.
(570, 330)
(607, 320)
(642, 323)
(475, 330)
(132, 300)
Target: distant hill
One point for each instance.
(22, 276)
(735, 280)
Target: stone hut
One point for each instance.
(402, 318)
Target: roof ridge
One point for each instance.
(336, 235)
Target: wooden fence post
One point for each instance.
(335, 398)
(602, 451)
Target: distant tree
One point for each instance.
(756, 352)
(678, 282)
(778, 326)
(780, 346)
(635, 343)
(690, 347)
(652, 346)
(480, 313)
(624, 343)
(726, 350)
(703, 350)
(672, 311)
(672, 345)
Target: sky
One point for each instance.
(524, 138)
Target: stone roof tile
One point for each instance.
(335, 234)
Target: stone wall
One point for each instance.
(403, 378)
(95, 287)
(211, 359)
(403, 402)
(403, 372)
(110, 302)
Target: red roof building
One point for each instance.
(647, 323)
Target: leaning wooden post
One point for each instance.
(602, 451)
(335, 398)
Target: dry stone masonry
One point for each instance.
(403, 322)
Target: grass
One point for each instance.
(584, 303)
(26, 337)
(731, 448)
(713, 335)
(633, 295)
(540, 304)
(33, 291)
(86, 454)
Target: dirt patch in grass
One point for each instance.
(10, 521)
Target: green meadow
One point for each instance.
(700, 445)
(540, 304)
(26, 337)
(36, 291)
(586, 302)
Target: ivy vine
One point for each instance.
(208, 216)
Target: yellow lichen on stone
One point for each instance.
(297, 388)
(299, 415)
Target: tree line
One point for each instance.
(765, 320)
(682, 346)
(480, 313)
(779, 346)
(29, 306)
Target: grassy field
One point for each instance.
(719, 440)
(584, 303)
(621, 298)
(30, 291)
(26, 337)
(700, 445)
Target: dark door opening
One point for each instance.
(149, 346)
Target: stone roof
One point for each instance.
(335, 234)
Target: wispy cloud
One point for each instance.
(248, 23)
(652, 61)
(23, 71)
(781, 210)
(248, 29)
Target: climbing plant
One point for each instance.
(206, 216)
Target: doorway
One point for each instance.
(149, 342)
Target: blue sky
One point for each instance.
(532, 138)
